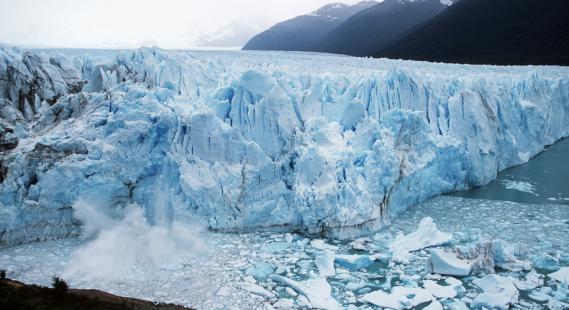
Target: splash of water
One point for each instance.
(118, 246)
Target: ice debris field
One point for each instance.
(131, 167)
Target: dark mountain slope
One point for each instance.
(302, 33)
(378, 27)
(491, 32)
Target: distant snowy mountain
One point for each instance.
(466, 31)
(360, 30)
(302, 33)
(376, 28)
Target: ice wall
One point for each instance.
(258, 140)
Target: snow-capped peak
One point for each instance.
(337, 10)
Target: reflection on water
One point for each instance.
(544, 179)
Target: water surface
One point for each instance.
(543, 180)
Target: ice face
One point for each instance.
(247, 140)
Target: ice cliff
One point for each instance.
(257, 140)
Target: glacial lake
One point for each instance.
(543, 180)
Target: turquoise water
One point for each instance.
(544, 178)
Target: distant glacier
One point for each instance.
(315, 143)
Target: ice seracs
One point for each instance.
(322, 144)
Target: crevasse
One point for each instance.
(258, 140)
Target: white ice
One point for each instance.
(447, 263)
(254, 140)
(318, 291)
(521, 186)
(499, 292)
(399, 298)
(426, 235)
(562, 275)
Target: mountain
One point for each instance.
(302, 33)
(378, 27)
(491, 32)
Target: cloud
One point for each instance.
(129, 23)
(235, 34)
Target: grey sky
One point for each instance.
(132, 23)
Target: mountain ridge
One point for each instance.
(303, 32)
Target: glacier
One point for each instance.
(248, 141)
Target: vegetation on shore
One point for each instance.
(15, 295)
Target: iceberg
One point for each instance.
(355, 262)
(499, 292)
(319, 144)
(448, 263)
(399, 298)
(562, 275)
(426, 235)
(325, 264)
(318, 291)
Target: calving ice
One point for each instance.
(248, 141)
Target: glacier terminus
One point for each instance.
(254, 141)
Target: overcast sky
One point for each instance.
(132, 23)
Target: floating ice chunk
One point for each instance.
(426, 235)
(435, 305)
(504, 257)
(448, 263)
(249, 279)
(256, 289)
(362, 244)
(532, 281)
(354, 286)
(562, 275)
(260, 270)
(497, 253)
(355, 262)
(284, 304)
(457, 305)
(399, 298)
(546, 262)
(276, 247)
(325, 264)
(499, 292)
(319, 244)
(520, 186)
(303, 301)
(288, 237)
(439, 291)
(557, 305)
(318, 291)
(223, 291)
(291, 292)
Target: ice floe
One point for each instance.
(399, 298)
(318, 291)
(499, 292)
(521, 186)
(426, 235)
(447, 263)
(562, 275)
(325, 264)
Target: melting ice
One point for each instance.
(127, 149)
